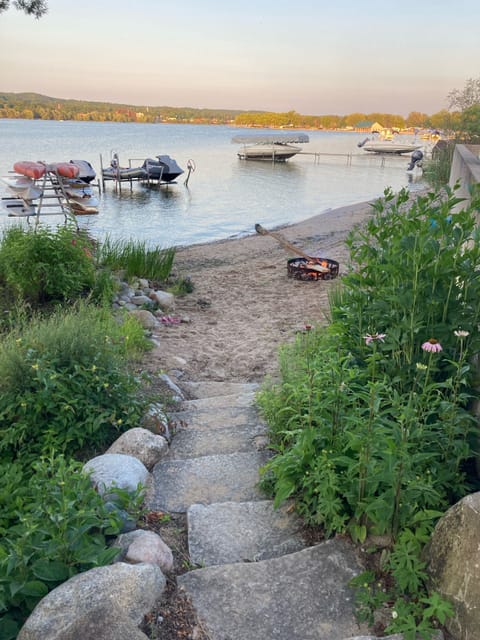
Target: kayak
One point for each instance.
(30, 169)
(64, 169)
(36, 170)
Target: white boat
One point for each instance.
(389, 142)
(272, 147)
(379, 146)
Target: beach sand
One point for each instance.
(244, 306)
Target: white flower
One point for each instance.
(369, 338)
(459, 333)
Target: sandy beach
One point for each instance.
(244, 306)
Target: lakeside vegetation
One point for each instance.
(372, 422)
(69, 387)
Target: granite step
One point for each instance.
(177, 484)
(191, 443)
(210, 389)
(211, 403)
(215, 418)
(242, 532)
(299, 596)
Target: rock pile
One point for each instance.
(149, 305)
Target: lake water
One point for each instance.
(225, 196)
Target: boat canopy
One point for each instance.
(272, 138)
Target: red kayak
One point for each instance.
(64, 169)
(33, 170)
(37, 170)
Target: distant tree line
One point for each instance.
(34, 106)
(462, 119)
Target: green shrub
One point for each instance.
(53, 525)
(135, 259)
(371, 420)
(42, 265)
(65, 383)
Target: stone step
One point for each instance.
(193, 443)
(242, 532)
(177, 484)
(211, 389)
(219, 402)
(300, 596)
(215, 418)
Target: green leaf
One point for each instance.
(51, 570)
(8, 628)
(107, 556)
(34, 588)
(358, 532)
(284, 491)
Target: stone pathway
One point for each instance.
(258, 578)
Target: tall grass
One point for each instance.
(135, 259)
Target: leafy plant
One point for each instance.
(53, 525)
(42, 265)
(371, 420)
(65, 384)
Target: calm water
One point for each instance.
(225, 196)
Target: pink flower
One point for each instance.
(432, 346)
(369, 338)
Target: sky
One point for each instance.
(315, 57)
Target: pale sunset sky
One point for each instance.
(313, 56)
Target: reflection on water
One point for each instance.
(225, 196)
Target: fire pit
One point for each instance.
(312, 268)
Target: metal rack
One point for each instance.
(52, 200)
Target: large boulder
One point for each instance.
(454, 565)
(87, 604)
(141, 444)
(101, 623)
(116, 470)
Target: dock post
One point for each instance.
(102, 180)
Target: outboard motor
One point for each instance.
(415, 159)
(360, 144)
